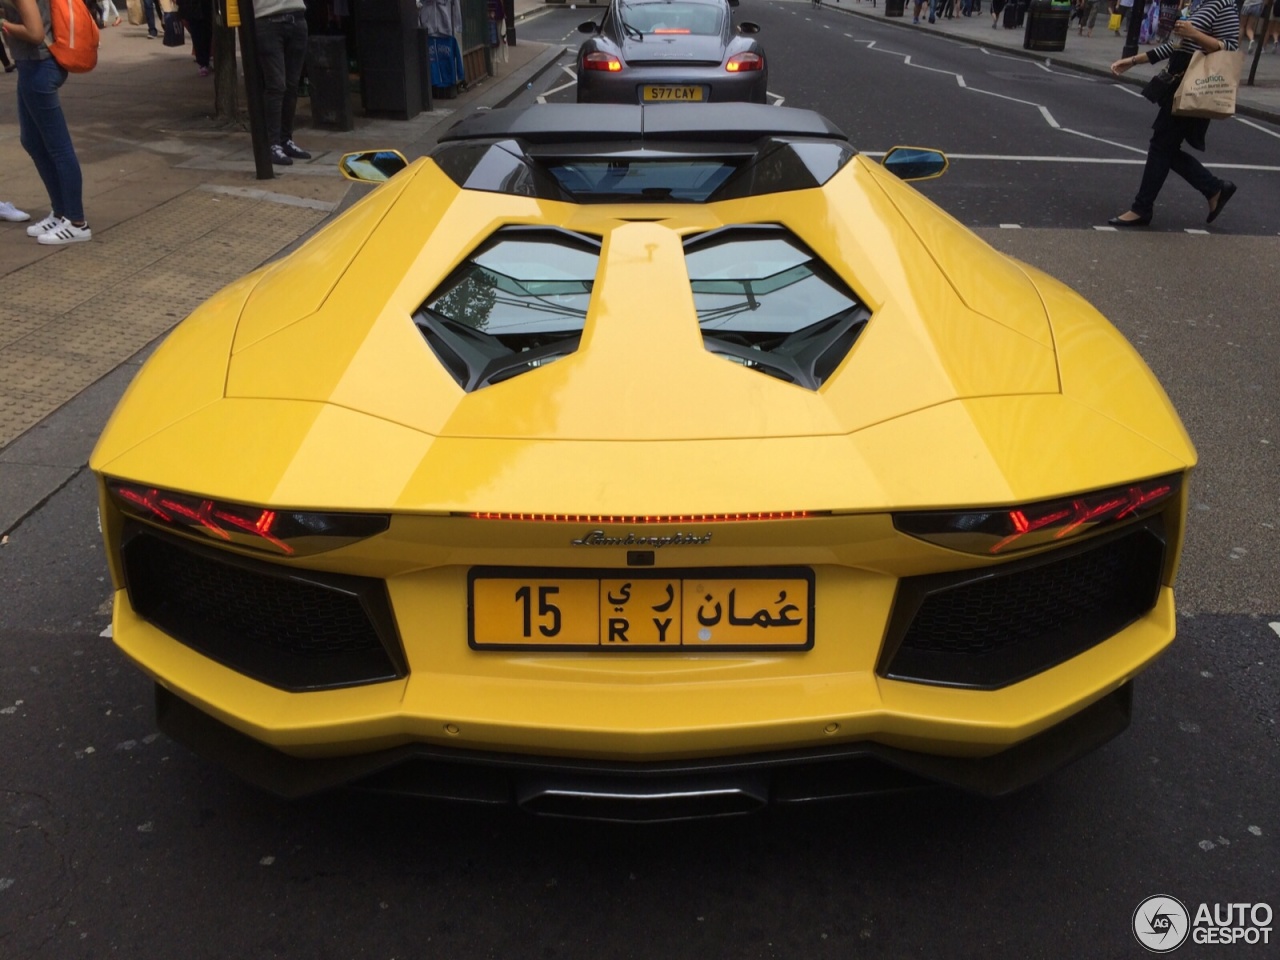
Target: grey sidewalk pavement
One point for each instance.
(177, 213)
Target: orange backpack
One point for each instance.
(75, 36)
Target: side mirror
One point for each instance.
(589, 26)
(916, 163)
(748, 27)
(372, 166)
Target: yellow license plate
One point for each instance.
(652, 93)
(747, 608)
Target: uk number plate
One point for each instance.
(657, 93)
(750, 608)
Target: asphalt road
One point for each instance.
(119, 843)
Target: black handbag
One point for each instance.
(1159, 88)
(174, 34)
(1164, 84)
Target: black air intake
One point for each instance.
(293, 629)
(994, 626)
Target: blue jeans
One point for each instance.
(149, 11)
(282, 53)
(44, 135)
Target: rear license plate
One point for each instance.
(742, 608)
(653, 93)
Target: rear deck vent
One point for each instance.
(766, 302)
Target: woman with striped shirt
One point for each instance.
(1213, 25)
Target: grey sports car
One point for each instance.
(671, 51)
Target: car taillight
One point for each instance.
(291, 533)
(742, 62)
(601, 61)
(1009, 529)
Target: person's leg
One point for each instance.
(271, 63)
(44, 135)
(1166, 142)
(295, 57)
(149, 11)
(201, 42)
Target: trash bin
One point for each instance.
(1021, 11)
(895, 8)
(327, 78)
(387, 48)
(1047, 24)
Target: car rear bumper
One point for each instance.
(716, 85)
(669, 790)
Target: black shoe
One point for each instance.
(1140, 222)
(1226, 193)
(291, 149)
(279, 157)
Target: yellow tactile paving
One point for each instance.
(70, 318)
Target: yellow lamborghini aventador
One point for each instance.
(643, 463)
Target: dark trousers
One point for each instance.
(282, 52)
(1165, 153)
(201, 39)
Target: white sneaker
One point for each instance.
(11, 213)
(43, 226)
(66, 232)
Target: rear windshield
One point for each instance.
(661, 17)
(691, 181)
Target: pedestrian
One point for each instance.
(42, 127)
(11, 213)
(104, 13)
(997, 8)
(1125, 9)
(1089, 16)
(4, 58)
(199, 17)
(1250, 16)
(282, 52)
(149, 11)
(1213, 25)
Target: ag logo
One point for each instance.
(1161, 924)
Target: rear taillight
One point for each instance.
(601, 61)
(290, 533)
(1010, 529)
(742, 62)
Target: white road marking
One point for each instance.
(1197, 231)
(1107, 229)
(1275, 625)
(107, 632)
(1010, 226)
(1250, 123)
(281, 198)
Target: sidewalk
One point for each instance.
(176, 213)
(1091, 54)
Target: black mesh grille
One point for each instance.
(994, 627)
(291, 629)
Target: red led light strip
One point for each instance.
(205, 516)
(656, 518)
(1116, 506)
